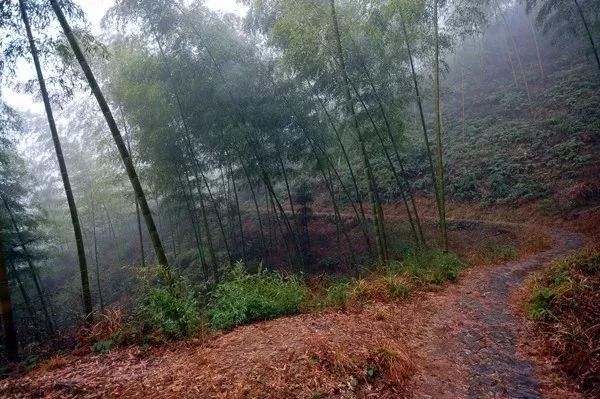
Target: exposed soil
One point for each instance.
(458, 342)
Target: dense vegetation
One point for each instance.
(275, 140)
(564, 304)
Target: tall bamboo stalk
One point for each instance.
(438, 131)
(34, 275)
(137, 205)
(372, 185)
(588, 32)
(116, 134)
(26, 299)
(428, 151)
(85, 285)
(11, 344)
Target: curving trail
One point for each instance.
(462, 341)
(469, 348)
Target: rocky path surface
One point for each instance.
(470, 347)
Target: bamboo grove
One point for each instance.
(230, 133)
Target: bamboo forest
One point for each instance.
(300, 199)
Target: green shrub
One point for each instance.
(563, 276)
(172, 309)
(336, 295)
(244, 297)
(432, 266)
(102, 346)
(398, 288)
(539, 303)
(503, 252)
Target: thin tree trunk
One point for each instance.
(372, 185)
(286, 181)
(11, 344)
(346, 159)
(116, 134)
(587, 30)
(85, 285)
(111, 230)
(188, 141)
(257, 208)
(516, 50)
(392, 167)
(26, 300)
(422, 118)
(97, 263)
(438, 128)
(239, 212)
(510, 62)
(415, 226)
(190, 205)
(32, 271)
(171, 225)
(537, 48)
(462, 93)
(419, 230)
(137, 206)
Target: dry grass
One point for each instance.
(376, 360)
(566, 305)
(106, 326)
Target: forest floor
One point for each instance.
(465, 340)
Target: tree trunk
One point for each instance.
(239, 212)
(97, 263)
(392, 168)
(422, 118)
(537, 48)
(11, 345)
(376, 204)
(419, 230)
(192, 154)
(116, 134)
(438, 130)
(257, 208)
(32, 271)
(587, 30)
(85, 285)
(26, 300)
(137, 206)
(191, 207)
(516, 50)
(362, 218)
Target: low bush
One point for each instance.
(244, 298)
(172, 309)
(565, 303)
(429, 266)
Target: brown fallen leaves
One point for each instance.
(330, 354)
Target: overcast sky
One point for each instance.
(95, 10)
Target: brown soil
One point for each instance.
(457, 342)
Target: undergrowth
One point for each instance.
(565, 303)
(172, 309)
(244, 297)
(429, 266)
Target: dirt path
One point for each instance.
(458, 342)
(470, 346)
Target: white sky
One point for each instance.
(95, 10)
